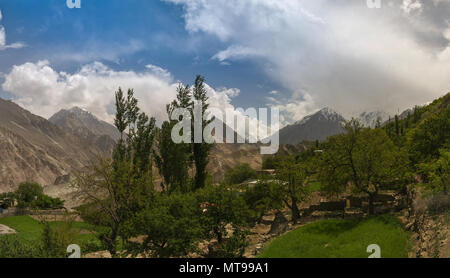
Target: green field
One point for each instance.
(30, 230)
(338, 238)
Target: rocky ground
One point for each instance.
(5, 230)
(430, 235)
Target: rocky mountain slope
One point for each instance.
(318, 126)
(83, 124)
(34, 149)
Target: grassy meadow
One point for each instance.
(340, 238)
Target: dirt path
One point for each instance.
(5, 230)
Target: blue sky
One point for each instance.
(296, 55)
(106, 30)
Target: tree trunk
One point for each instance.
(112, 246)
(371, 204)
(294, 209)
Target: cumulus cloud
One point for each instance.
(44, 91)
(158, 71)
(3, 44)
(335, 53)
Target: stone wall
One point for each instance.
(18, 211)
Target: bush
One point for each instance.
(239, 174)
(7, 200)
(56, 239)
(170, 225)
(27, 193)
(232, 247)
(264, 196)
(31, 195)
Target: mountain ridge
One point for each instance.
(318, 126)
(34, 149)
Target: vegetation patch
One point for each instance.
(34, 237)
(338, 238)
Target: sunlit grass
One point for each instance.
(337, 238)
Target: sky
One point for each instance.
(298, 56)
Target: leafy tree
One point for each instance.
(174, 160)
(31, 195)
(239, 174)
(223, 208)
(47, 202)
(200, 150)
(263, 197)
(363, 158)
(292, 177)
(170, 225)
(27, 193)
(271, 162)
(430, 135)
(438, 172)
(117, 190)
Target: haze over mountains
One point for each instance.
(35, 149)
(325, 123)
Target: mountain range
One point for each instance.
(317, 126)
(34, 149)
(48, 151)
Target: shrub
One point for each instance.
(13, 247)
(239, 174)
(31, 195)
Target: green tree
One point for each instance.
(438, 172)
(27, 193)
(223, 208)
(174, 160)
(430, 136)
(263, 197)
(240, 173)
(271, 162)
(170, 225)
(200, 150)
(116, 190)
(292, 178)
(363, 158)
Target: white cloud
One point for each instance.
(158, 71)
(335, 53)
(297, 107)
(409, 6)
(44, 91)
(236, 52)
(3, 44)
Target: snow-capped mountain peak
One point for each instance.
(326, 114)
(370, 119)
(318, 126)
